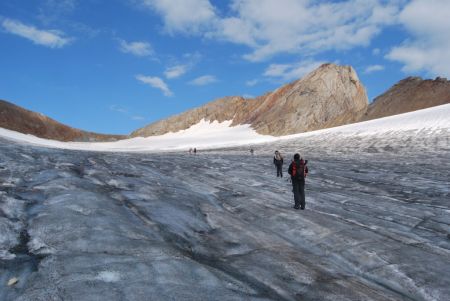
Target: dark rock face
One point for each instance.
(329, 96)
(409, 94)
(17, 119)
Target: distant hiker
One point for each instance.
(195, 150)
(252, 151)
(190, 151)
(278, 161)
(298, 171)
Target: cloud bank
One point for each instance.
(428, 22)
(271, 27)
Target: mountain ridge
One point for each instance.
(332, 94)
(409, 94)
(15, 118)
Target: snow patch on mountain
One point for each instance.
(209, 135)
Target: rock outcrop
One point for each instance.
(329, 96)
(409, 94)
(18, 119)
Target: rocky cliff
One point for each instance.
(17, 119)
(410, 94)
(329, 96)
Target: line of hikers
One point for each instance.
(298, 171)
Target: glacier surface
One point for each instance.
(81, 225)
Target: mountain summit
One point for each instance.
(329, 96)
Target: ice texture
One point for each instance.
(219, 225)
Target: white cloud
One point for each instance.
(203, 80)
(137, 48)
(270, 27)
(49, 38)
(376, 51)
(188, 16)
(277, 70)
(429, 24)
(137, 118)
(176, 71)
(291, 71)
(373, 68)
(155, 82)
(252, 82)
(290, 26)
(236, 30)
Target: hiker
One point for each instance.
(278, 161)
(195, 150)
(298, 171)
(252, 151)
(190, 151)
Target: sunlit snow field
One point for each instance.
(219, 225)
(209, 135)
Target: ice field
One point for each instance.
(219, 225)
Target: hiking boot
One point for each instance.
(296, 207)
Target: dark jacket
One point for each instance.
(299, 163)
(277, 162)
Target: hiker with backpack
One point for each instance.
(278, 161)
(298, 171)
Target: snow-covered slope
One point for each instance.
(201, 135)
(431, 119)
(206, 135)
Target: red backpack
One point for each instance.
(298, 172)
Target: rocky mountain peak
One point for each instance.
(329, 96)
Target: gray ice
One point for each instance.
(219, 225)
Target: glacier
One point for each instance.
(101, 223)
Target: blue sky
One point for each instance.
(114, 66)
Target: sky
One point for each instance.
(118, 65)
